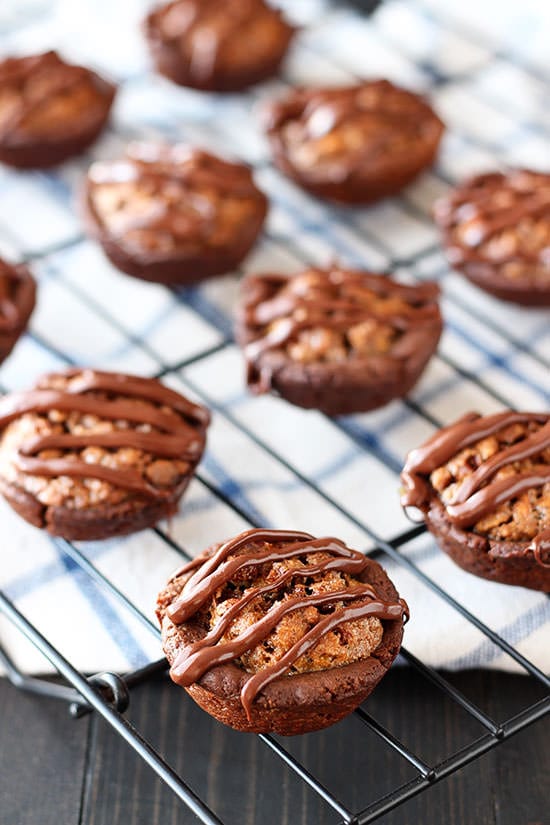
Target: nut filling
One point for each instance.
(84, 440)
(373, 138)
(275, 603)
(492, 476)
(331, 317)
(162, 200)
(496, 230)
(173, 214)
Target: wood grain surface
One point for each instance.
(58, 771)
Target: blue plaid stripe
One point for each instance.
(486, 651)
(113, 620)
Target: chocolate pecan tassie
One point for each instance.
(483, 486)
(496, 231)
(89, 454)
(354, 144)
(217, 45)
(17, 299)
(276, 630)
(338, 340)
(49, 109)
(173, 214)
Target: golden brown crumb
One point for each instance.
(319, 343)
(138, 211)
(519, 519)
(519, 247)
(350, 642)
(75, 492)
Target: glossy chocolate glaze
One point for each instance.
(17, 295)
(198, 176)
(340, 104)
(338, 303)
(203, 28)
(180, 426)
(57, 78)
(381, 110)
(480, 492)
(212, 573)
(523, 194)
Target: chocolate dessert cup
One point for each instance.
(89, 455)
(276, 631)
(356, 144)
(483, 487)
(337, 340)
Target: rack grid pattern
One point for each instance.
(491, 355)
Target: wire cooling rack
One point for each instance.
(491, 355)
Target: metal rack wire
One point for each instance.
(109, 693)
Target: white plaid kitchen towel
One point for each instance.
(486, 67)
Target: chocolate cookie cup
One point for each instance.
(174, 215)
(354, 144)
(49, 110)
(278, 631)
(496, 231)
(17, 300)
(89, 455)
(483, 486)
(217, 45)
(337, 340)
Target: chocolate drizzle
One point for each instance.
(179, 426)
(493, 204)
(39, 79)
(343, 102)
(480, 492)
(540, 548)
(200, 31)
(186, 184)
(209, 574)
(393, 122)
(275, 313)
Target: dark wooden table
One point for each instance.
(58, 771)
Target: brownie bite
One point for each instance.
(173, 214)
(217, 45)
(89, 455)
(337, 340)
(354, 144)
(483, 486)
(276, 630)
(49, 110)
(496, 231)
(17, 300)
